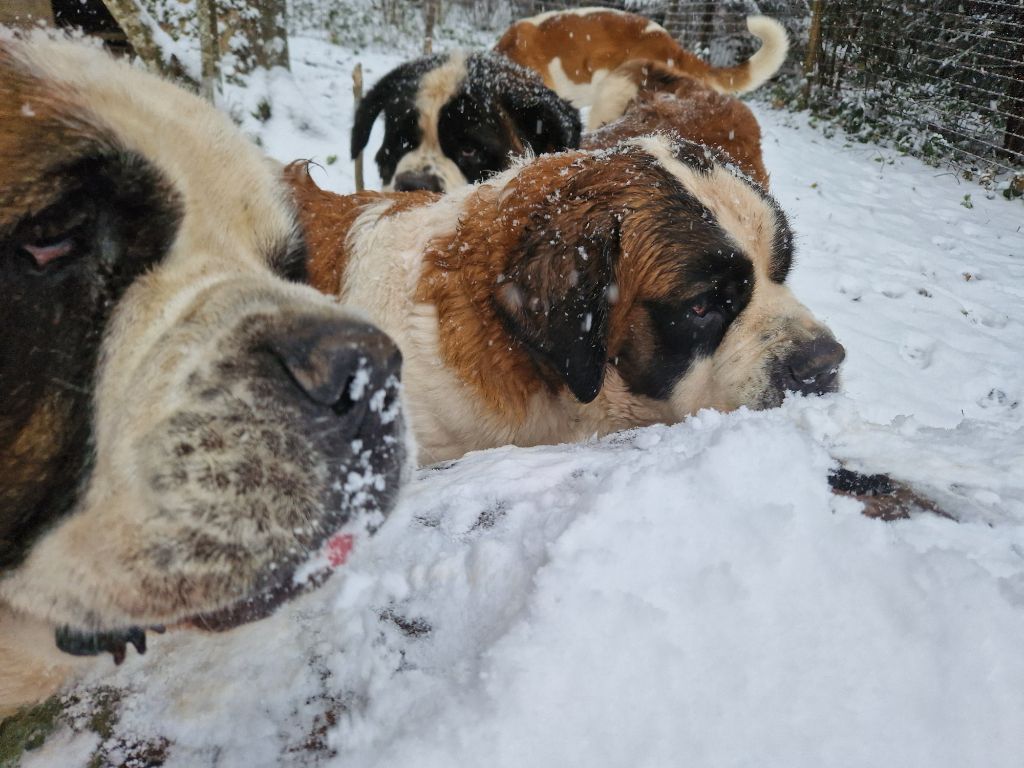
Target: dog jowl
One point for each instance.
(183, 423)
(453, 119)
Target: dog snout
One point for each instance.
(336, 363)
(813, 367)
(410, 181)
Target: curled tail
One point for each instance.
(761, 66)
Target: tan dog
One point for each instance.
(574, 50)
(575, 295)
(180, 421)
(642, 97)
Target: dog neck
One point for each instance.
(460, 275)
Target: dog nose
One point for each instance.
(410, 181)
(336, 363)
(813, 367)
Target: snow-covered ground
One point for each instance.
(689, 595)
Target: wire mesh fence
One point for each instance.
(940, 79)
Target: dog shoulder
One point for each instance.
(328, 220)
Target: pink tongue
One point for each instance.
(338, 548)
(44, 254)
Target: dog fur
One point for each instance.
(452, 119)
(642, 97)
(577, 294)
(171, 448)
(574, 50)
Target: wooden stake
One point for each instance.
(431, 20)
(357, 95)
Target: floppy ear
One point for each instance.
(555, 300)
(399, 82)
(369, 107)
(544, 120)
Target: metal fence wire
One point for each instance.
(940, 79)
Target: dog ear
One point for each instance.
(555, 300)
(369, 107)
(544, 120)
(396, 84)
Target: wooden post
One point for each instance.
(431, 20)
(357, 95)
(209, 48)
(813, 44)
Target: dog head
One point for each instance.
(182, 423)
(656, 285)
(453, 119)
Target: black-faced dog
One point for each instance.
(183, 425)
(453, 119)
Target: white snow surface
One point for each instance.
(688, 595)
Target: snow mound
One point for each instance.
(667, 596)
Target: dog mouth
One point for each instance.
(329, 481)
(296, 581)
(115, 642)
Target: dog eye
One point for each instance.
(43, 253)
(700, 308)
(55, 234)
(469, 153)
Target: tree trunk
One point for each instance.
(209, 46)
(129, 17)
(253, 33)
(273, 51)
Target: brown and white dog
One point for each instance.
(574, 50)
(643, 97)
(577, 294)
(180, 419)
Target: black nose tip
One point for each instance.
(813, 367)
(410, 181)
(335, 362)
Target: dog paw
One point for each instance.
(883, 498)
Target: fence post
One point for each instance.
(1013, 139)
(357, 96)
(813, 45)
(431, 20)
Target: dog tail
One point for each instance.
(756, 70)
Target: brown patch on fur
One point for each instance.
(516, 239)
(327, 217)
(37, 134)
(28, 457)
(670, 100)
(586, 43)
(36, 138)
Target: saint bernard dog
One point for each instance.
(576, 294)
(453, 119)
(184, 425)
(574, 50)
(643, 97)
